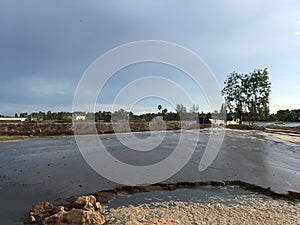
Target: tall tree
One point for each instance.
(248, 93)
(120, 115)
(181, 112)
(257, 89)
(234, 94)
(180, 109)
(194, 108)
(159, 107)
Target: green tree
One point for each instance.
(194, 108)
(234, 94)
(248, 93)
(159, 107)
(49, 115)
(180, 109)
(120, 115)
(257, 89)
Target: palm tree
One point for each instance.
(159, 107)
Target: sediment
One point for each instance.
(246, 210)
(61, 129)
(89, 207)
(107, 195)
(272, 128)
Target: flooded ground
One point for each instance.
(45, 169)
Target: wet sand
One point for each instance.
(205, 205)
(254, 210)
(45, 169)
(288, 137)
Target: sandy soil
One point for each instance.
(282, 136)
(254, 210)
(11, 138)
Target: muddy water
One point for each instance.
(204, 195)
(42, 169)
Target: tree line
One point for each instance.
(106, 116)
(246, 99)
(181, 113)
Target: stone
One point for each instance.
(83, 210)
(75, 216)
(88, 203)
(98, 206)
(82, 201)
(32, 219)
(104, 196)
(41, 209)
(89, 207)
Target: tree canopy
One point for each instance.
(248, 93)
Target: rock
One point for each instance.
(41, 209)
(98, 206)
(82, 201)
(104, 196)
(32, 219)
(89, 207)
(88, 203)
(75, 216)
(83, 210)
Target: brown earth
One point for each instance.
(274, 128)
(57, 129)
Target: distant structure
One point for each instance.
(79, 116)
(222, 122)
(12, 119)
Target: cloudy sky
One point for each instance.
(46, 46)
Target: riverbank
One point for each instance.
(179, 203)
(5, 138)
(247, 211)
(273, 127)
(64, 129)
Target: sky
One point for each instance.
(47, 46)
